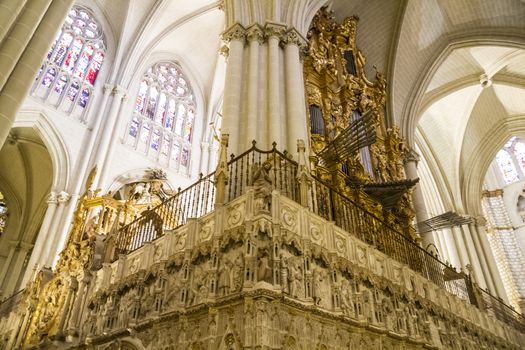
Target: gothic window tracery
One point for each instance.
(511, 160)
(3, 214)
(163, 116)
(68, 76)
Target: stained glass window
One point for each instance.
(519, 152)
(164, 115)
(511, 160)
(3, 213)
(76, 57)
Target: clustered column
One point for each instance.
(255, 37)
(235, 36)
(264, 90)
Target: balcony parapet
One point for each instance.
(283, 254)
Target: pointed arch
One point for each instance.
(54, 143)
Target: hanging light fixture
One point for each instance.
(3, 213)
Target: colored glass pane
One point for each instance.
(155, 140)
(179, 122)
(175, 152)
(161, 110)
(83, 62)
(141, 97)
(152, 102)
(519, 152)
(49, 77)
(144, 134)
(134, 127)
(185, 157)
(62, 48)
(73, 55)
(165, 146)
(189, 124)
(73, 91)
(506, 166)
(61, 83)
(171, 115)
(84, 97)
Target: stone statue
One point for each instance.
(263, 186)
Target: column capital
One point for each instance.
(52, 198)
(410, 155)
(204, 145)
(235, 32)
(118, 91)
(63, 197)
(276, 30)
(255, 33)
(293, 37)
(480, 220)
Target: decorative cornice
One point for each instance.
(236, 32)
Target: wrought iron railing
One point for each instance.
(283, 171)
(325, 201)
(502, 311)
(332, 205)
(193, 202)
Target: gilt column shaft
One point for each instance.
(235, 36)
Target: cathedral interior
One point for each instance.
(262, 174)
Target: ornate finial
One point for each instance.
(91, 178)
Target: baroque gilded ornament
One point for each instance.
(339, 94)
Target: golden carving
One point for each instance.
(338, 90)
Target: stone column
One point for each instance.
(42, 238)
(474, 258)
(489, 257)
(482, 259)
(276, 122)
(255, 38)
(21, 249)
(411, 159)
(74, 318)
(235, 36)
(205, 157)
(114, 136)
(107, 129)
(49, 251)
(9, 12)
(49, 16)
(296, 121)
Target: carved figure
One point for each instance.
(296, 280)
(284, 274)
(263, 186)
(264, 271)
(225, 276)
